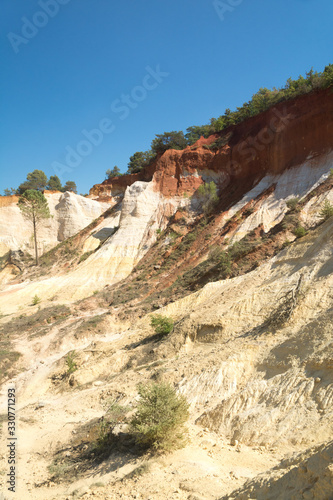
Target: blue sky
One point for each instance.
(137, 68)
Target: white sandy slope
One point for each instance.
(266, 391)
(295, 182)
(269, 388)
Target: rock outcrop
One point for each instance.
(276, 152)
(69, 214)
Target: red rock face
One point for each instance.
(281, 137)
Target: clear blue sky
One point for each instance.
(85, 56)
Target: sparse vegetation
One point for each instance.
(8, 358)
(161, 324)
(91, 325)
(243, 247)
(158, 423)
(216, 266)
(35, 321)
(85, 255)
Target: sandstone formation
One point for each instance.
(69, 214)
(129, 233)
(252, 352)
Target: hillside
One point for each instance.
(250, 294)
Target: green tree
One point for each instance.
(328, 76)
(114, 172)
(138, 161)
(54, 183)
(168, 140)
(195, 132)
(327, 211)
(34, 207)
(229, 118)
(160, 417)
(207, 196)
(9, 192)
(36, 180)
(260, 101)
(70, 186)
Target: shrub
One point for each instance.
(300, 231)
(207, 196)
(71, 363)
(327, 211)
(160, 417)
(162, 324)
(190, 237)
(36, 300)
(292, 203)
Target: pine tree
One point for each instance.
(34, 207)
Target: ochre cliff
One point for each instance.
(271, 142)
